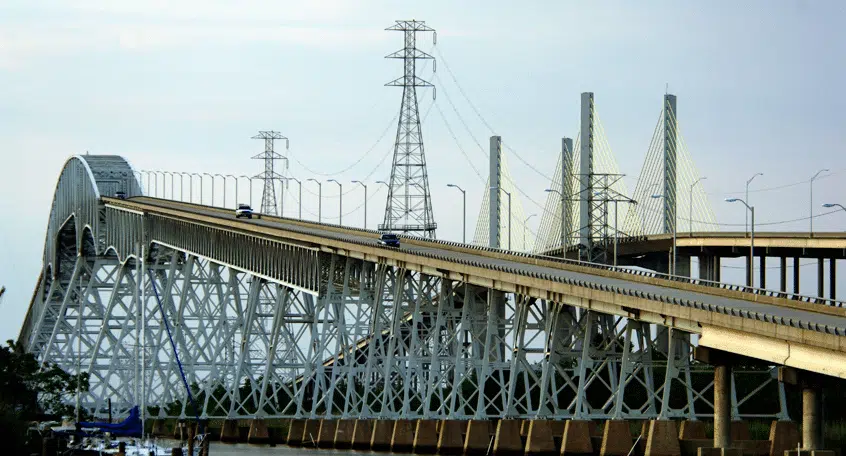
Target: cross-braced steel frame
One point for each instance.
(268, 328)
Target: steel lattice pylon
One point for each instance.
(409, 206)
(270, 176)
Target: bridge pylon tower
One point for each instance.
(409, 206)
(270, 176)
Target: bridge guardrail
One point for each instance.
(681, 279)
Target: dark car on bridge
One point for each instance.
(389, 240)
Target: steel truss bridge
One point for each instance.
(276, 317)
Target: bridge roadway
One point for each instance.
(783, 331)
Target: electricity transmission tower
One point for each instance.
(409, 206)
(268, 197)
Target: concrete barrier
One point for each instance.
(692, 430)
(451, 437)
(362, 435)
(426, 437)
(784, 436)
(576, 439)
(310, 431)
(616, 439)
(663, 439)
(229, 431)
(258, 432)
(540, 437)
(507, 441)
(477, 440)
(295, 433)
(402, 437)
(344, 433)
(383, 432)
(326, 433)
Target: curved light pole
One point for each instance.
(509, 213)
(250, 180)
(191, 192)
(236, 188)
(525, 228)
(224, 189)
(182, 185)
(463, 212)
(690, 220)
(750, 277)
(340, 201)
(812, 199)
(300, 197)
(746, 224)
(211, 176)
(319, 199)
(164, 183)
(563, 228)
(365, 200)
(386, 184)
(834, 205)
(172, 183)
(673, 266)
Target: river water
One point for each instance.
(224, 449)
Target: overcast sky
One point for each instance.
(182, 86)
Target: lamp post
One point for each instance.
(211, 176)
(340, 201)
(365, 200)
(191, 192)
(182, 185)
(236, 188)
(812, 199)
(509, 213)
(250, 183)
(690, 207)
(300, 197)
(172, 183)
(319, 200)
(525, 228)
(563, 228)
(746, 223)
(463, 212)
(751, 275)
(386, 184)
(224, 189)
(673, 266)
(834, 205)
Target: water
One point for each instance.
(241, 449)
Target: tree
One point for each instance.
(28, 389)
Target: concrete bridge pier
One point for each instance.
(812, 403)
(722, 362)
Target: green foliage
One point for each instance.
(28, 389)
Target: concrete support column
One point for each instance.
(812, 424)
(832, 278)
(722, 406)
(762, 271)
(795, 275)
(820, 278)
(782, 270)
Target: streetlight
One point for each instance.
(340, 201)
(365, 200)
(319, 200)
(172, 183)
(691, 199)
(751, 209)
(463, 212)
(211, 176)
(746, 223)
(509, 214)
(386, 184)
(563, 228)
(191, 191)
(182, 184)
(673, 268)
(300, 200)
(834, 205)
(250, 183)
(812, 198)
(224, 189)
(525, 228)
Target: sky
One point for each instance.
(183, 86)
